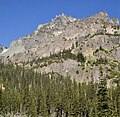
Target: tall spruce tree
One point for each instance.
(102, 105)
(81, 57)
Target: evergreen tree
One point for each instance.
(102, 106)
(81, 58)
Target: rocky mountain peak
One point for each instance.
(100, 15)
(105, 18)
(62, 18)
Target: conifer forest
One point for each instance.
(31, 94)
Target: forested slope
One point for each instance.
(26, 93)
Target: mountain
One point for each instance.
(69, 46)
(68, 67)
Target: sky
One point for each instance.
(21, 17)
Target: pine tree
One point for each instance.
(81, 58)
(44, 111)
(102, 105)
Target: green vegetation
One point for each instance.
(57, 58)
(101, 61)
(53, 58)
(81, 58)
(102, 105)
(101, 49)
(52, 95)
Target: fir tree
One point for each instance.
(80, 58)
(102, 106)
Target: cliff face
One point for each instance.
(95, 37)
